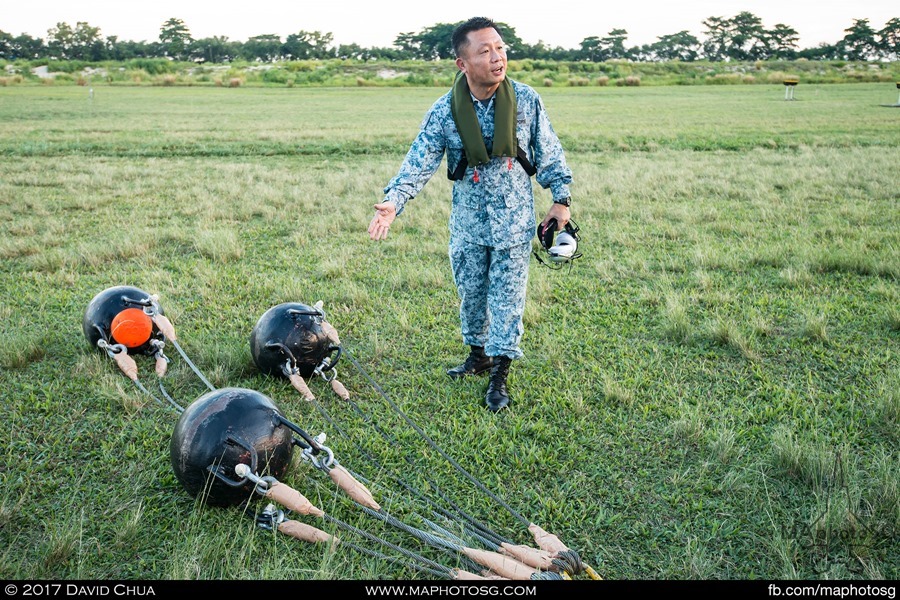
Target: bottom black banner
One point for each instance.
(448, 589)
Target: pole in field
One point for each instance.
(789, 84)
(898, 99)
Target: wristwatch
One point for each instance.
(564, 201)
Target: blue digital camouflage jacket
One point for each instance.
(498, 209)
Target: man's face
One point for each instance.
(483, 60)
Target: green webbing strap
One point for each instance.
(463, 111)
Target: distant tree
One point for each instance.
(263, 48)
(677, 46)
(537, 51)
(859, 43)
(352, 51)
(541, 51)
(715, 46)
(783, 41)
(81, 43)
(744, 38)
(127, 50)
(60, 40)
(216, 49)
(321, 45)
(597, 49)
(407, 44)
(613, 45)
(560, 53)
(433, 43)
(29, 47)
(740, 38)
(110, 45)
(307, 44)
(590, 49)
(823, 51)
(89, 45)
(392, 53)
(889, 40)
(6, 46)
(642, 53)
(175, 37)
(297, 45)
(747, 40)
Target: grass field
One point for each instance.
(712, 392)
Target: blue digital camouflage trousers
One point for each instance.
(491, 284)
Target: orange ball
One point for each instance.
(132, 328)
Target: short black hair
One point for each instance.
(460, 39)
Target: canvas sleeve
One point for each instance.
(549, 158)
(421, 161)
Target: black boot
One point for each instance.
(497, 396)
(476, 363)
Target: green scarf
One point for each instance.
(463, 111)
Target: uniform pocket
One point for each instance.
(517, 192)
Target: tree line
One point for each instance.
(740, 38)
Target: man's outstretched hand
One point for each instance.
(385, 213)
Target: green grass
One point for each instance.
(689, 389)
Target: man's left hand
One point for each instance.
(559, 212)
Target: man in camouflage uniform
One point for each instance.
(492, 220)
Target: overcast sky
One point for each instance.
(371, 23)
